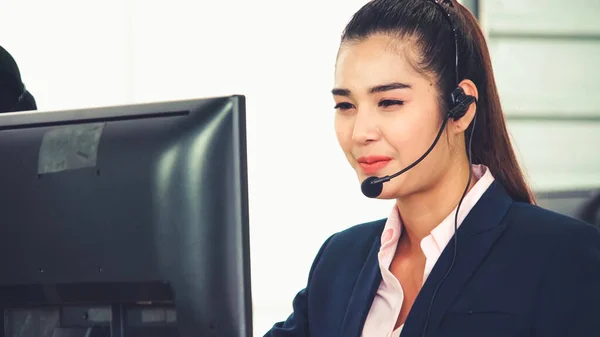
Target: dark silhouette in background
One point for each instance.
(591, 211)
(13, 94)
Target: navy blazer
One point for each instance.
(520, 270)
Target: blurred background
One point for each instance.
(281, 54)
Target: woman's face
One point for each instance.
(387, 115)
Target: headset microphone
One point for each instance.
(372, 186)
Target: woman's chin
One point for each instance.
(388, 194)
(396, 189)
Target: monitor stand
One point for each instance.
(92, 314)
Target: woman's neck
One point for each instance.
(423, 211)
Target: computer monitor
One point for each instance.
(126, 221)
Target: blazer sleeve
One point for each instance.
(569, 298)
(296, 324)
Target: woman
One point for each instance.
(403, 79)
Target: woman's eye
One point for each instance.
(343, 106)
(386, 103)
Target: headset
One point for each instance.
(460, 105)
(460, 101)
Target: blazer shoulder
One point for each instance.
(546, 224)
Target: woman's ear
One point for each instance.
(460, 125)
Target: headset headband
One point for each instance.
(440, 4)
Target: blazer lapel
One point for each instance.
(476, 235)
(363, 294)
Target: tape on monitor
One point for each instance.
(70, 148)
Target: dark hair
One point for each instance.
(422, 22)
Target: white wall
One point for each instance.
(280, 54)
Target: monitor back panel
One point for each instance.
(130, 205)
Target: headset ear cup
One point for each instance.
(456, 95)
(460, 103)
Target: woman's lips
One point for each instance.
(373, 164)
